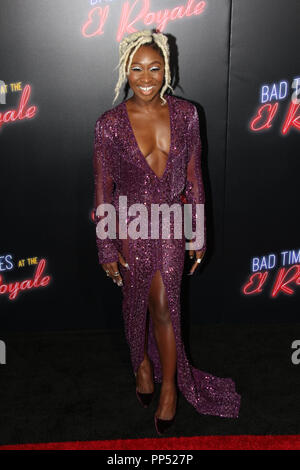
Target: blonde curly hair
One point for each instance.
(128, 47)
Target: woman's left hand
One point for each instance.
(199, 255)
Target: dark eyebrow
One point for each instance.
(155, 62)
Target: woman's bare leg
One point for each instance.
(166, 344)
(144, 377)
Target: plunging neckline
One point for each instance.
(137, 145)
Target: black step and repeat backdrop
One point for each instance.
(237, 60)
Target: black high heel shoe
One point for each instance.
(145, 398)
(162, 425)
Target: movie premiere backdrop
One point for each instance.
(237, 60)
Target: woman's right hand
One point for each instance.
(112, 270)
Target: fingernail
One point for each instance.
(120, 283)
(127, 265)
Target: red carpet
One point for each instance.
(243, 442)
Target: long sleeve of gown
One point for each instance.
(103, 186)
(194, 189)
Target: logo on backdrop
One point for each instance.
(277, 273)
(270, 96)
(12, 289)
(22, 111)
(137, 11)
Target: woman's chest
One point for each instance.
(131, 161)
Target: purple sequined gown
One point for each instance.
(121, 169)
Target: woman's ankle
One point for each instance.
(168, 384)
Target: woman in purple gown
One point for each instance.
(148, 151)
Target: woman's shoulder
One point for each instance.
(184, 107)
(110, 118)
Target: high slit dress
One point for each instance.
(120, 169)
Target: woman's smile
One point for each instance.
(146, 90)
